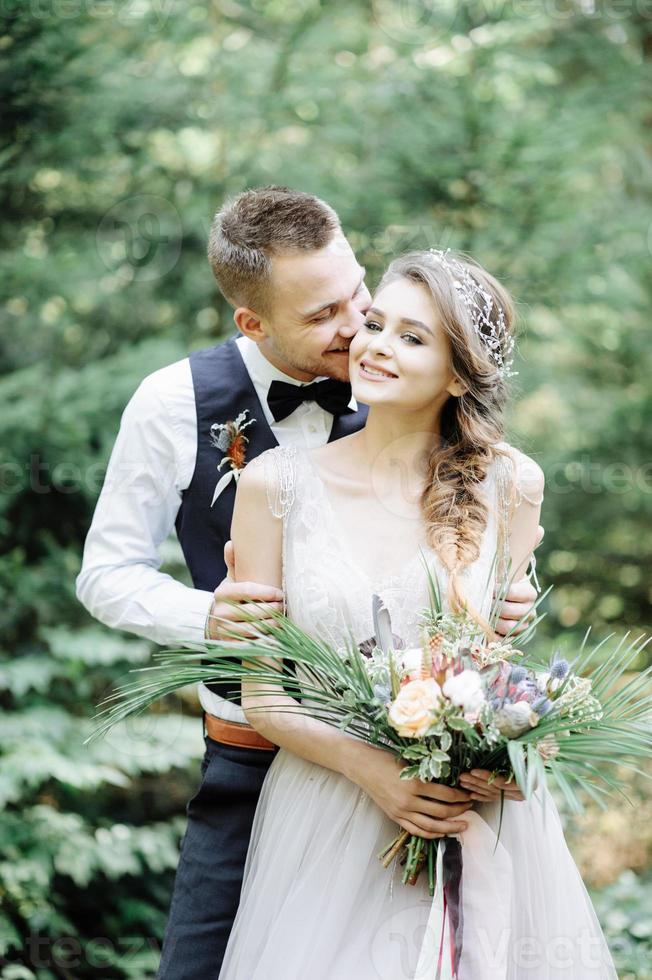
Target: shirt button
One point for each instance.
(312, 428)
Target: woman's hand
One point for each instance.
(427, 810)
(484, 789)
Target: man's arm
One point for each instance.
(120, 583)
(428, 809)
(226, 621)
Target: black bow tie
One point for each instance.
(331, 395)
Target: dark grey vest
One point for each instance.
(223, 389)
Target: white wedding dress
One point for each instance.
(316, 903)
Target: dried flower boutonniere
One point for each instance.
(229, 437)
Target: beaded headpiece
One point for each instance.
(492, 332)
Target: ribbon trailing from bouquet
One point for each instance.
(446, 927)
(473, 884)
(452, 889)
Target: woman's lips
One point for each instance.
(373, 374)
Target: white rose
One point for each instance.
(465, 689)
(411, 713)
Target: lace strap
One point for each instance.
(505, 501)
(280, 487)
(528, 483)
(280, 479)
(517, 480)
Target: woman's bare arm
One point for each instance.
(524, 528)
(428, 809)
(524, 525)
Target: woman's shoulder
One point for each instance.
(272, 474)
(269, 461)
(525, 474)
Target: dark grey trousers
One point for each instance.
(211, 863)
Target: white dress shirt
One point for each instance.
(151, 464)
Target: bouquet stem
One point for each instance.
(432, 847)
(390, 852)
(420, 858)
(416, 853)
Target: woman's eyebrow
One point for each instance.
(404, 319)
(417, 323)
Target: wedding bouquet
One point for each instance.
(456, 702)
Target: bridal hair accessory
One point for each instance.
(229, 437)
(492, 332)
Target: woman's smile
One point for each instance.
(372, 372)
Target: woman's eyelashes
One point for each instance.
(411, 337)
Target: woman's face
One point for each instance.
(401, 354)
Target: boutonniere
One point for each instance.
(230, 439)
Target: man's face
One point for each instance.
(319, 301)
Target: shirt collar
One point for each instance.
(262, 372)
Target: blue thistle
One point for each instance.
(559, 669)
(542, 706)
(517, 675)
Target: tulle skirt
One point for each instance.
(317, 904)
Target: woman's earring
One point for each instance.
(457, 389)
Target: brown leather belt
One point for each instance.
(233, 733)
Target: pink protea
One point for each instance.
(500, 684)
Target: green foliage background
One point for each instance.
(517, 131)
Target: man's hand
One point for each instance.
(426, 809)
(484, 791)
(516, 608)
(224, 620)
(518, 604)
(229, 561)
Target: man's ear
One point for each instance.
(249, 323)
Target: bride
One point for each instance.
(429, 477)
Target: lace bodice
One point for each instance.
(328, 594)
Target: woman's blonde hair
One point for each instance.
(471, 424)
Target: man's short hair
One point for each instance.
(256, 225)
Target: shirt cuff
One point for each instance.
(192, 614)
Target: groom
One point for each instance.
(281, 259)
